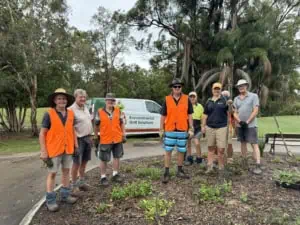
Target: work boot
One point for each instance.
(117, 178)
(104, 182)
(199, 160)
(257, 170)
(181, 174)
(51, 202)
(82, 185)
(189, 161)
(65, 196)
(210, 169)
(166, 178)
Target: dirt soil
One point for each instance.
(265, 202)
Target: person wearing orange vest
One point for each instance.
(57, 142)
(176, 125)
(111, 127)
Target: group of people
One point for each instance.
(69, 132)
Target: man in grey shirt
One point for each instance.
(246, 106)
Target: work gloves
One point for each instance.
(124, 139)
(191, 132)
(243, 125)
(161, 133)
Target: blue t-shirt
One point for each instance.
(216, 112)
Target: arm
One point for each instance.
(203, 123)
(190, 120)
(253, 114)
(75, 138)
(162, 122)
(42, 140)
(236, 116)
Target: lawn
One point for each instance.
(288, 124)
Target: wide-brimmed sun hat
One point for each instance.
(176, 81)
(60, 91)
(242, 82)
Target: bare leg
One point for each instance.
(211, 155)
(256, 153)
(82, 169)
(189, 148)
(168, 155)
(116, 165)
(65, 178)
(180, 158)
(221, 160)
(229, 151)
(103, 166)
(50, 182)
(74, 172)
(198, 147)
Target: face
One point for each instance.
(80, 100)
(60, 101)
(110, 102)
(193, 99)
(242, 88)
(177, 88)
(216, 91)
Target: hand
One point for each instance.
(203, 130)
(76, 145)
(243, 124)
(229, 102)
(76, 152)
(124, 139)
(161, 133)
(191, 132)
(44, 155)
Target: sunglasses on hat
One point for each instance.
(177, 86)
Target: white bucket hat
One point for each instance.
(242, 82)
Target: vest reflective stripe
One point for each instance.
(110, 129)
(177, 115)
(60, 138)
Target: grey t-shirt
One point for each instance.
(245, 107)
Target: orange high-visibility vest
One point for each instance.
(177, 115)
(60, 138)
(110, 129)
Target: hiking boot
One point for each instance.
(189, 161)
(65, 196)
(51, 202)
(257, 170)
(181, 174)
(199, 160)
(83, 186)
(117, 178)
(166, 178)
(209, 170)
(104, 182)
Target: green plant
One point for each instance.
(133, 190)
(244, 197)
(102, 207)
(127, 169)
(214, 193)
(155, 207)
(298, 158)
(287, 177)
(261, 145)
(204, 155)
(151, 173)
(276, 160)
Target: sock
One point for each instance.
(167, 171)
(115, 173)
(103, 176)
(180, 169)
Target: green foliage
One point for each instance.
(244, 197)
(277, 159)
(214, 193)
(286, 176)
(155, 207)
(133, 190)
(148, 172)
(261, 145)
(102, 208)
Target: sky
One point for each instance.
(82, 11)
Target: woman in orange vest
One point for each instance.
(176, 125)
(57, 141)
(112, 136)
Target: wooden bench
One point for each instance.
(274, 138)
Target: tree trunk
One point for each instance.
(33, 105)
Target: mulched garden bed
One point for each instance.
(252, 200)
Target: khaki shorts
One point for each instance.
(64, 160)
(216, 137)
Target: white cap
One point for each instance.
(241, 82)
(193, 93)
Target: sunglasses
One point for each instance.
(218, 89)
(177, 86)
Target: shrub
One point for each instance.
(244, 197)
(155, 207)
(287, 177)
(214, 193)
(133, 190)
(102, 207)
(151, 173)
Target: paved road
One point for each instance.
(22, 181)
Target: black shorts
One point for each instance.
(105, 151)
(84, 150)
(248, 135)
